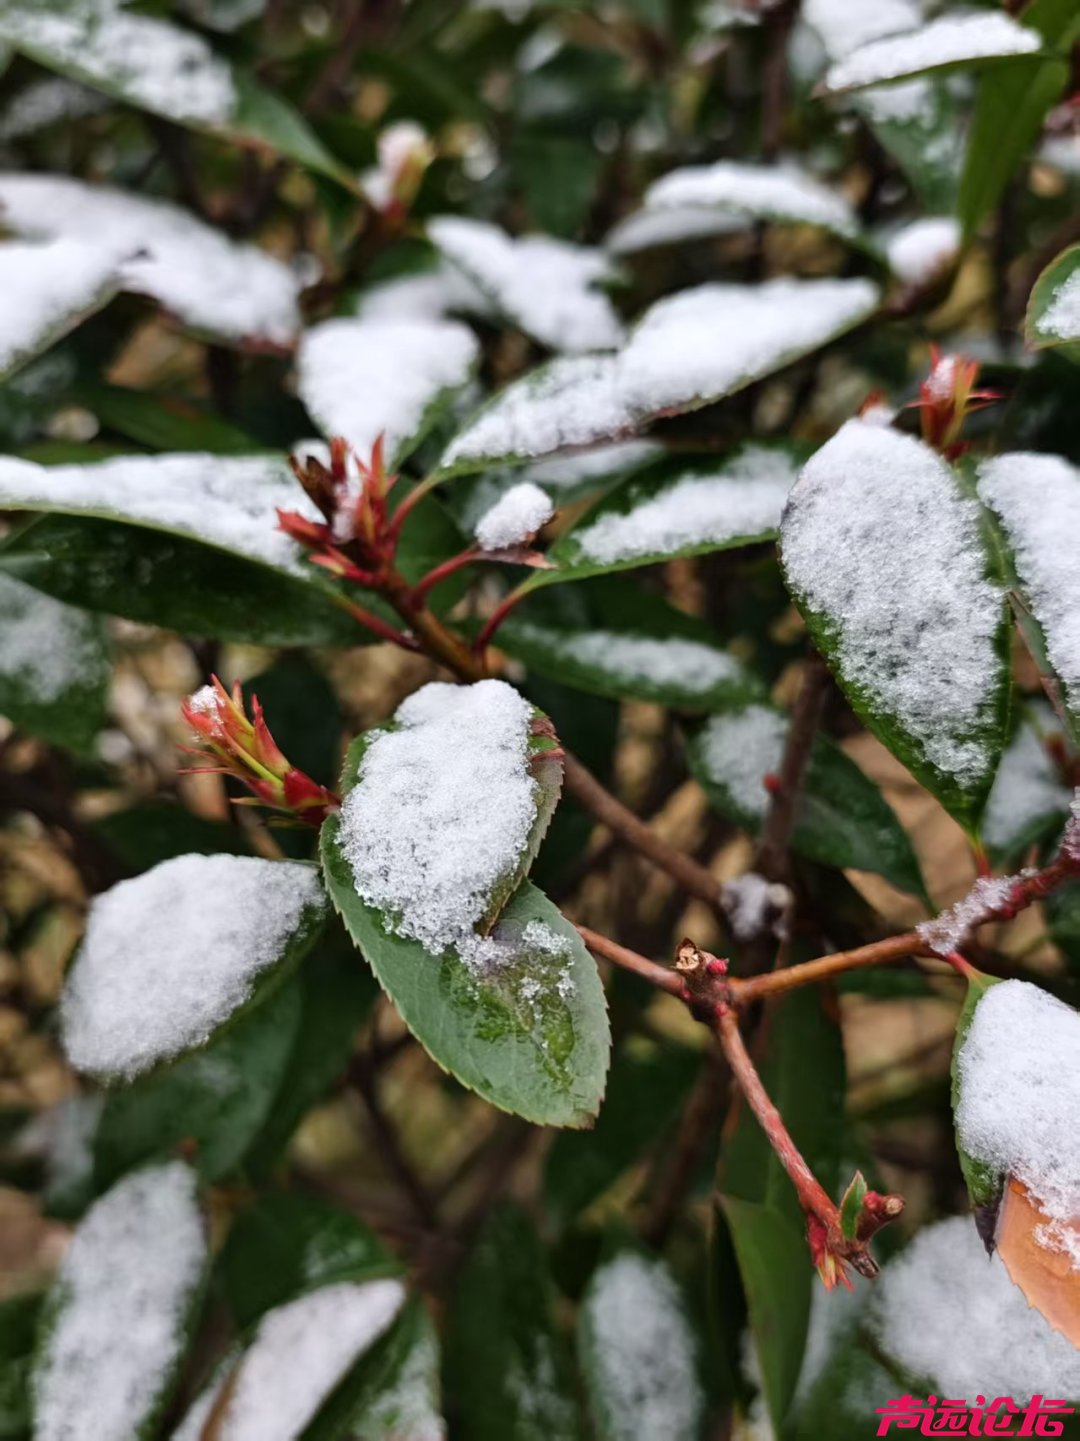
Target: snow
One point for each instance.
(46, 647)
(879, 541)
(46, 102)
(514, 518)
(149, 62)
(1061, 318)
(1019, 1074)
(363, 378)
(170, 955)
(407, 1409)
(919, 251)
(545, 286)
(1038, 500)
(689, 665)
(227, 501)
(739, 749)
(300, 1352)
(47, 289)
(441, 813)
(125, 1288)
(399, 145)
(1027, 788)
(422, 295)
(648, 229)
(641, 1352)
(948, 931)
(755, 907)
(949, 40)
(770, 192)
(843, 26)
(944, 1311)
(744, 497)
(195, 272)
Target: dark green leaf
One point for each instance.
(558, 176)
(926, 142)
(161, 422)
(1063, 921)
(508, 1369)
(18, 1326)
(402, 1402)
(1042, 327)
(155, 831)
(851, 1206)
(984, 1185)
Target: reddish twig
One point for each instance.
(771, 859)
(663, 977)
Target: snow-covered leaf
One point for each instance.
(950, 40)
(1037, 500)
(688, 350)
(924, 250)
(215, 285)
(116, 1321)
(403, 1402)
(173, 955)
(771, 193)
(48, 290)
(54, 666)
(1030, 800)
(639, 1353)
(673, 225)
(444, 810)
(514, 518)
(1046, 1280)
(548, 288)
(885, 556)
(842, 818)
(154, 65)
(363, 378)
(1053, 313)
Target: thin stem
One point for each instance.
(771, 858)
(497, 616)
(662, 977)
(413, 499)
(441, 644)
(440, 573)
(389, 1148)
(774, 983)
(383, 629)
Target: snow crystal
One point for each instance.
(442, 811)
(739, 749)
(191, 269)
(1038, 500)
(124, 1290)
(47, 289)
(227, 501)
(687, 350)
(1027, 788)
(755, 907)
(744, 497)
(948, 931)
(952, 39)
(648, 229)
(945, 1311)
(775, 192)
(168, 956)
(152, 64)
(920, 250)
(663, 661)
(546, 286)
(363, 378)
(1019, 1098)
(642, 1351)
(46, 647)
(878, 540)
(514, 517)
(1061, 318)
(300, 1353)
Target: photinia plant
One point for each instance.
(540, 665)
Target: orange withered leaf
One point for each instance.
(1046, 1277)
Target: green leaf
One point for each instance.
(984, 1184)
(1048, 324)
(55, 667)
(639, 1353)
(19, 1316)
(842, 819)
(926, 140)
(851, 1206)
(1012, 105)
(289, 1243)
(402, 1402)
(211, 1104)
(508, 1368)
(531, 1034)
(935, 46)
(558, 176)
(1062, 909)
(775, 1267)
(145, 835)
(1029, 803)
(162, 422)
(644, 1095)
(616, 640)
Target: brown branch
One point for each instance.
(774, 983)
(772, 857)
(386, 1140)
(663, 977)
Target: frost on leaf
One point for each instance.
(364, 378)
(949, 40)
(639, 1352)
(47, 648)
(885, 559)
(688, 350)
(753, 192)
(439, 823)
(119, 1309)
(1037, 498)
(217, 286)
(547, 287)
(169, 956)
(1029, 796)
(1019, 1095)
(47, 290)
(944, 1314)
(299, 1354)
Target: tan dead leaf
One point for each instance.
(1046, 1277)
